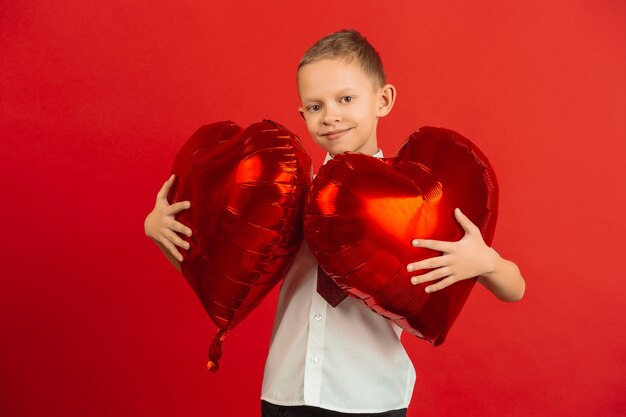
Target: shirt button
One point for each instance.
(317, 317)
(314, 359)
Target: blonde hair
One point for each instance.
(347, 44)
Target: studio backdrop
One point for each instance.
(97, 97)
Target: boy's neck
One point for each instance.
(378, 154)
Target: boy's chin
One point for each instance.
(337, 150)
(340, 147)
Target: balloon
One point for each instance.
(364, 212)
(247, 189)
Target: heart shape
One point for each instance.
(247, 189)
(363, 213)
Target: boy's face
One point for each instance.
(341, 105)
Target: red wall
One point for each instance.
(97, 97)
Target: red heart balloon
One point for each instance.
(247, 189)
(364, 212)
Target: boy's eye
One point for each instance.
(314, 107)
(347, 99)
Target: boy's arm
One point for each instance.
(161, 225)
(467, 258)
(504, 281)
(168, 255)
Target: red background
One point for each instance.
(97, 97)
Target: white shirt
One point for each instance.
(347, 359)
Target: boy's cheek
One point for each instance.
(320, 144)
(316, 139)
(324, 145)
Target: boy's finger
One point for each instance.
(431, 276)
(176, 207)
(430, 263)
(180, 228)
(437, 245)
(165, 188)
(440, 285)
(175, 239)
(464, 221)
(169, 246)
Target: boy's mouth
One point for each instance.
(335, 133)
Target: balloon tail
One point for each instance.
(215, 350)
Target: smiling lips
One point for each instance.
(335, 133)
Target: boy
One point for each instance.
(332, 361)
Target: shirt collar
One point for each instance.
(378, 154)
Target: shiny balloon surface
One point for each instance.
(363, 213)
(247, 189)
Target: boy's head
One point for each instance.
(342, 86)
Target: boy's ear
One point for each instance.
(386, 98)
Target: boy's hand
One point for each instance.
(161, 223)
(463, 259)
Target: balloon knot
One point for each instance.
(215, 350)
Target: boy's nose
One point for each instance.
(332, 116)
